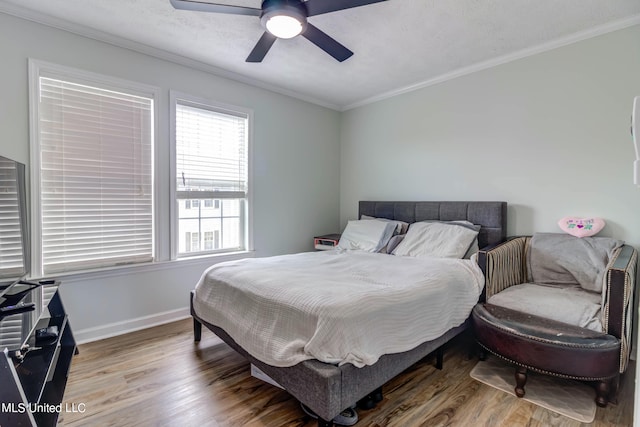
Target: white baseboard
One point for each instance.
(83, 336)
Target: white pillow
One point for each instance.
(368, 235)
(436, 239)
(401, 226)
(472, 249)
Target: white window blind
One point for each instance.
(11, 255)
(211, 153)
(211, 164)
(96, 176)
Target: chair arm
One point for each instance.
(503, 265)
(618, 299)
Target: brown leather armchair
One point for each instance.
(553, 346)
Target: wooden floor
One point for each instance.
(159, 377)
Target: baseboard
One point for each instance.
(83, 336)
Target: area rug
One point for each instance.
(570, 398)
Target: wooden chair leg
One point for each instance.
(521, 380)
(614, 388)
(482, 353)
(602, 393)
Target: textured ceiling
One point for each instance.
(398, 44)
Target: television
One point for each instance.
(14, 224)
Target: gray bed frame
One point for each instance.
(329, 389)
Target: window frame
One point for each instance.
(37, 69)
(176, 97)
(164, 243)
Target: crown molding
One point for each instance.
(91, 33)
(564, 41)
(122, 42)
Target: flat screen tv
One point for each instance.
(14, 225)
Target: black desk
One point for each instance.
(34, 374)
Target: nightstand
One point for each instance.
(326, 241)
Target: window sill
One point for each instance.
(127, 270)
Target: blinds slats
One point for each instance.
(96, 176)
(210, 150)
(11, 256)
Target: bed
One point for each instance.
(328, 388)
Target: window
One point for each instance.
(192, 241)
(211, 170)
(208, 240)
(187, 242)
(93, 171)
(12, 257)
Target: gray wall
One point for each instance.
(293, 197)
(549, 134)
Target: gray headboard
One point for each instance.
(492, 216)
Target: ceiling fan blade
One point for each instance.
(326, 43)
(318, 7)
(201, 6)
(262, 47)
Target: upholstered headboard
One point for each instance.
(492, 216)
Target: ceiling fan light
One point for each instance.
(284, 26)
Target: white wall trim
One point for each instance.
(554, 44)
(201, 261)
(198, 102)
(122, 42)
(131, 325)
(38, 69)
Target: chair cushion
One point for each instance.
(568, 304)
(562, 259)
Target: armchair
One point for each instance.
(556, 327)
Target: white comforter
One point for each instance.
(349, 307)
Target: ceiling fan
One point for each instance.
(284, 19)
